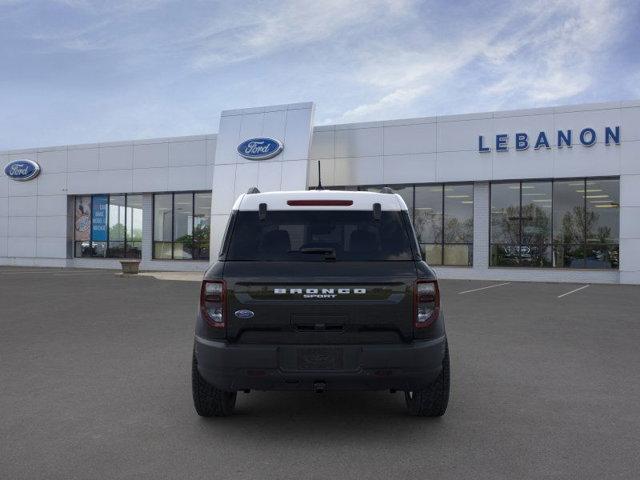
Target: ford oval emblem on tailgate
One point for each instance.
(244, 313)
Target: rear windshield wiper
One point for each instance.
(329, 253)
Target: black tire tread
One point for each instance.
(433, 400)
(208, 400)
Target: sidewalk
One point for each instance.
(174, 276)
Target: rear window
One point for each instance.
(304, 235)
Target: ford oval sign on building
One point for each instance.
(260, 148)
(22, 170)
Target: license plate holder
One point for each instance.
(320, 358)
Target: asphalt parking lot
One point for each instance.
(95, 383)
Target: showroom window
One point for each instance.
(563, 224)
(442, 216)
(181, 225)
(108, 226)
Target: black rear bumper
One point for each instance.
(337, 367)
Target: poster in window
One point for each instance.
(99, 220)
(83, 219)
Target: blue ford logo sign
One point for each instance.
(244, 314)
(260, 148)
(22, 170)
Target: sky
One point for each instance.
(80, 71)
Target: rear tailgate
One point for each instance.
(320, 302)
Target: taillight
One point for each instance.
(426, 302)
(212, 302)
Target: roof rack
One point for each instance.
(253, 190)
(387, 190)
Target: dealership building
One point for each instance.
(547, 194)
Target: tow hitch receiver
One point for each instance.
(319, 387)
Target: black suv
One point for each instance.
(320, 290)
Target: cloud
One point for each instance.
(120, 69)
(407, 76)
(288, 24)
(555, 63)
(399, 97)
(542, 53)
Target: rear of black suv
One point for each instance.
(320, 291)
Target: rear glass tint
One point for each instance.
(304, 235)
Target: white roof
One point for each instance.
(360, 200)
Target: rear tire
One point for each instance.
(433, 400)
(208, 400)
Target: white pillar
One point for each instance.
(481, 217)
(233, 175)
(630, 229)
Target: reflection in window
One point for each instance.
(443, 219)
(108, 226)
(181, 225)
(566, 224)
(536, 200)
(134, 226)
(603, 223)
(162, 225)
(427, 220)
(569, 223)
(201, 225)
(458, 225)
(117, 219)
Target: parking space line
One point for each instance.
(483, 288)
(573, 291)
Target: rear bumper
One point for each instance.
(339, 367)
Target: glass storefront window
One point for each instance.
(201, 225)
(536, 200)
(134, 226)
(442, 215)
(108, 226)
(569, 223)
(458, 225)
(162, 225)
(427, 221)
(82, 226)
(564, 223)
(117, 219)
(181, 225)
(603, 223)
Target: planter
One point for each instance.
(130, 266)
